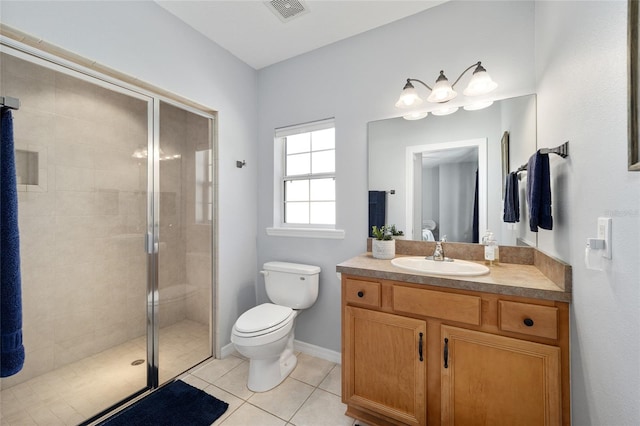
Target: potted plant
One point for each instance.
(396, 234)
(383, 246)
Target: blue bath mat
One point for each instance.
(175, 404)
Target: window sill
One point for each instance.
(334, 234)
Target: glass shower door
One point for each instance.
(116, 222)
(82, 167)
(184, 313)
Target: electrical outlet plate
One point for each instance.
(604, 233)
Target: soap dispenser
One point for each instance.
(490, 248)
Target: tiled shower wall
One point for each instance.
(185, 244)
(84, 271)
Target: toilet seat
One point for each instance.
(263, 319)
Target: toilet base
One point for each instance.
(266, 374)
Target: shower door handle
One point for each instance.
(150, 246)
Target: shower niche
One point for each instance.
(31, 168)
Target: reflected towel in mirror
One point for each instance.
(427, 235)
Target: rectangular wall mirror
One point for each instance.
(427, 170)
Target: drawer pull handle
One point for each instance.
(446, 353)
(420, 348)
(528, 322)
(361, 293)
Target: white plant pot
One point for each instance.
(382, 249)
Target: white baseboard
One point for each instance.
(318, 351)
(227, 350)
(306, 348)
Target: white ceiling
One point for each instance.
(252, 32)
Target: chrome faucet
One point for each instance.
(438, 253)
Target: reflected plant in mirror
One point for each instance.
(443, 174)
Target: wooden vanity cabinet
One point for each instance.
(417, 354)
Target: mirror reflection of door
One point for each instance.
(447, 197)
(446, 191)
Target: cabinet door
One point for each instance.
(496, 380)
(384, 366)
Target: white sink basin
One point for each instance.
(428, 266)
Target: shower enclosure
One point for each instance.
(117, 218)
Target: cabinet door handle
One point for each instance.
(528, 322)
(361, 293)
(420, 348)
(446, 353)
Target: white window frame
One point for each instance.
(280, 228)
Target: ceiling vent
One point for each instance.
(287, 10)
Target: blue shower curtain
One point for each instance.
(11, 348)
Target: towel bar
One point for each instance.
(561, 150)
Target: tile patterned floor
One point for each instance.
(310, 396)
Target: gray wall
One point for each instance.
(358, 80)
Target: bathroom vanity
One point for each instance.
(423, 349)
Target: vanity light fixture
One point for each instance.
(480, 84)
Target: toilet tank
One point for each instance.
(291, 284)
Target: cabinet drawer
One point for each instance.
(534, 320)
(362, 292)
(437, 304)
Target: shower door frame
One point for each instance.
(44, 54)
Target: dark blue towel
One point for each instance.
(539, 192)
(11, 348)
(377, 209)
(511, 199)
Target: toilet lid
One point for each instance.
(262, 317)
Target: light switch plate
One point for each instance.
(604, 233)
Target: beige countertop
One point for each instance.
(525, 280)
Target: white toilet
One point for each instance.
(264, 334)
(428, 228)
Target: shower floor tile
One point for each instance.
(78, 391)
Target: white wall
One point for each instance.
(143, 40)
(356, 81)
(582, 97)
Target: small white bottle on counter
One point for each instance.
(490, 249)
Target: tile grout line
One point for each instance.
(312, 392)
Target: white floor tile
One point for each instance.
(248, 414)
(322, 409)
(311, 370)
(216, 368)
(283, 400)
(333, 382)
(235, 381)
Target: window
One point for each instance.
(305, 179)
(204, 185)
